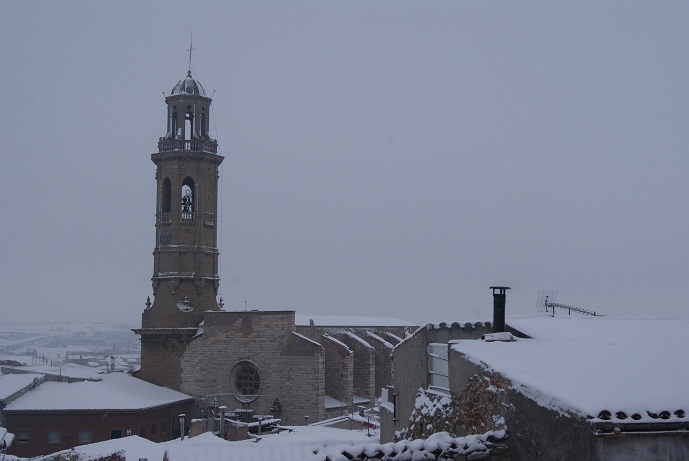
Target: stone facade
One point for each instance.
(290, 368)
(315, 375)
(364, 367)
(339, 366)
(375, 340)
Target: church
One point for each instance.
(255, 362)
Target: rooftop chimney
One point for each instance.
(499, 308)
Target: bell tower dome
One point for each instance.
(185, 257)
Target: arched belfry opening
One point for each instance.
(188, 199)
(189, 125)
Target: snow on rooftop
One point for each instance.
(381, 340)
(588, 364)
(12, 383)
(6, 438)
(358, 339)
(394, 336)
(331, 403)
(350, 321)
(303, 443)
(338, 342)
(117, 391)
(133, 448)
(70, 370)
(300, 444)
(306, 339)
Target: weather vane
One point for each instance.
(191, 42)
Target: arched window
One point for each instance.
(188, 199)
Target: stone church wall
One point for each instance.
(383, 361)
(364, 366)
(339, 369)
(382, 371)
(291, 368)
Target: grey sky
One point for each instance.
(382, 158)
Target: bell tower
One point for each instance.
(185, 258)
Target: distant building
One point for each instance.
(255, 362)
(53, 415)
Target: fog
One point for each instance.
(381, 158)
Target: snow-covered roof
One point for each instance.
(300, 444)
(12, 383)
(188, 86)
(358, 339)
(608, 366)
(132, 447)
(305, 338)
(69, 370)
(350, 321)
(116, 392)
(6, 438)
(331, 403)
(384, 342)
(308, 443)
(338, 342)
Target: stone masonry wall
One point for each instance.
(383, 361)
(364, 367)
(291, 368)
(160, 360)
(339, 363)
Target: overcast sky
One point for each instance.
(381, 158)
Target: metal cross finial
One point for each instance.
(191, 42)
